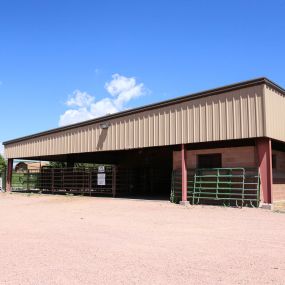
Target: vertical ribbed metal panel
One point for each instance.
(275, 114)
(232, 115)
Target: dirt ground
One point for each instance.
(85, 240)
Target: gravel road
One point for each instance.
(70, 240)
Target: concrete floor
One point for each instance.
(49, 239)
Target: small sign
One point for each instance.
(101, 179)
(1, 185)
(101, 168)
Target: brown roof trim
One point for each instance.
(211, 92)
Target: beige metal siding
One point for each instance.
(275, 114)
(232, 115)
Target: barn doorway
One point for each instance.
(145, 173)
(144, 182)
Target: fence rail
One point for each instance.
(227, 186)
(67, 180)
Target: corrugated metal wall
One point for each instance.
(275, 114)
(232, 115)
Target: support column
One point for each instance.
(264, 153)
(114, 177)
(9, 175)
(183, 176)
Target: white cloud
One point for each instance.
(80, 99)
(122, 90)
(73, 116)
(103, 107)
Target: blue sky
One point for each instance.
(76, 58)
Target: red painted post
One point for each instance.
(9, 175)
(184, 175)
(264, 153)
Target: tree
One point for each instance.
(55, 164)
(84, 165)
(3, 163)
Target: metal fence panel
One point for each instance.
(227, 186)
(67, 180)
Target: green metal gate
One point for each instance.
(226, 186)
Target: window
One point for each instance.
(209, 160)
(274, 161)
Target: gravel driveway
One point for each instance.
(57, 239)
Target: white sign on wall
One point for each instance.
(101, 168)
(101, 179)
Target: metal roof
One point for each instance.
(211, 92)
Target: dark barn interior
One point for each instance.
(139, 173)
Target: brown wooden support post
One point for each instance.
(264, 153)
(90, 180)
(114, 174)
(183, 176)
(28, 180)
(52, 180)
(9, 175)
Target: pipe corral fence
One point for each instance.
(98, 180)
(223, 186)
(216, 186)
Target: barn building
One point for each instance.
(24, 166)
(221, 133)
